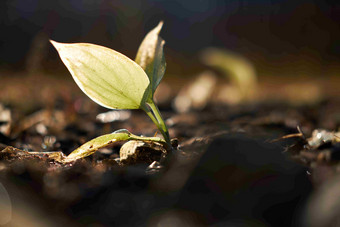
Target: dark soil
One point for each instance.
(231, 166)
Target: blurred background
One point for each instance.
(286, 37)
(282, 39)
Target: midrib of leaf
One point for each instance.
(117, 80)
(104, 82)
(103, 85)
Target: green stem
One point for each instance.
(142, 138)
(153, 112)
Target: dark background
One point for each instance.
(280, 37)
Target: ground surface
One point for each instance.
(232, 166)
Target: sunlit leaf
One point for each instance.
(108, 77)
(150, 56)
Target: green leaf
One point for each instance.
(108, 77)
(92, 146)
(150, 56)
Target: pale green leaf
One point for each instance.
(108, 77)
(234, 66)
(150, 56)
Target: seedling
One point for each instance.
(114, 81)
(234, 66)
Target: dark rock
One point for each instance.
(242, 179)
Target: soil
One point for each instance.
(245, 164)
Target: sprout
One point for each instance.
(114, 81)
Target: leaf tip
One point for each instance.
(55, 44)
(159, 27)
